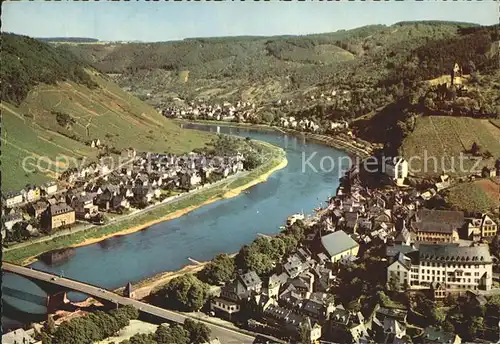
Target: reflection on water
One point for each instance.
(20, 298)
(111, 243)
(57, 257)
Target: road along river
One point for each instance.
(223, 226)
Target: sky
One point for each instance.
(164, 21)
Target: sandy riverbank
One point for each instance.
(178, 213)
(262, 178)
(145, 287)
(151, 284)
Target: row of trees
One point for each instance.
(89, 329)
(190, 292)
(100, 325)
(191, 332)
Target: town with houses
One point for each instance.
(439, 256)
(91, 194)
(246, 112)
(421, 253)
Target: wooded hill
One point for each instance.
(377, 63)
(54, 105)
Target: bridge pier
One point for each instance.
(56, 301)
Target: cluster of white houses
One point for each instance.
(444, 251)
(241, 111)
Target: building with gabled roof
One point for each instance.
(59, 215)
(12, 198)
(339, 244)
(453, 267)
(435, 226)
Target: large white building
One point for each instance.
(457, 268)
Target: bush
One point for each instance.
(63, 119)
(220, 270)
(185, 293)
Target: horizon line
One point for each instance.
(246, 36)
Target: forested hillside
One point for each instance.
(232, 67)
(27, 62)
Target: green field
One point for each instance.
(19, 255)
(446, 138)
(471, 197)
(109, 114)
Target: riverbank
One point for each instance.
(347, 144)
(226, 189)
(232, 124)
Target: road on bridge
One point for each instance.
(225, 335)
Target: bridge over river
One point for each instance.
(64, 284)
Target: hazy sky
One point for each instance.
(162, 21)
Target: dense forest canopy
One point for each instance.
(27, 62)
(470, 49)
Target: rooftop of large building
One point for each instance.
(453, 252)
(60, 208)
(337, 242)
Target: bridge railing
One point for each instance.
(51, 274)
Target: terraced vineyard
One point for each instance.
(446, 138)
(473, 197)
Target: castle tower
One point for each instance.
(456, 72)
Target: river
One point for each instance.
(223, 226)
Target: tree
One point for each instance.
(142, 338)
(393, 282)
(45, 338)
(250, 258)
(186, 293)
(296, 230)
(493, 306)
(305, 333)
(429, 104)
(220, 270)
(475, 327)
(289, 241)
(279, 248)
(251, 161)
(448, 327)
(268, 117)
(173, 334)
(198, 332)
